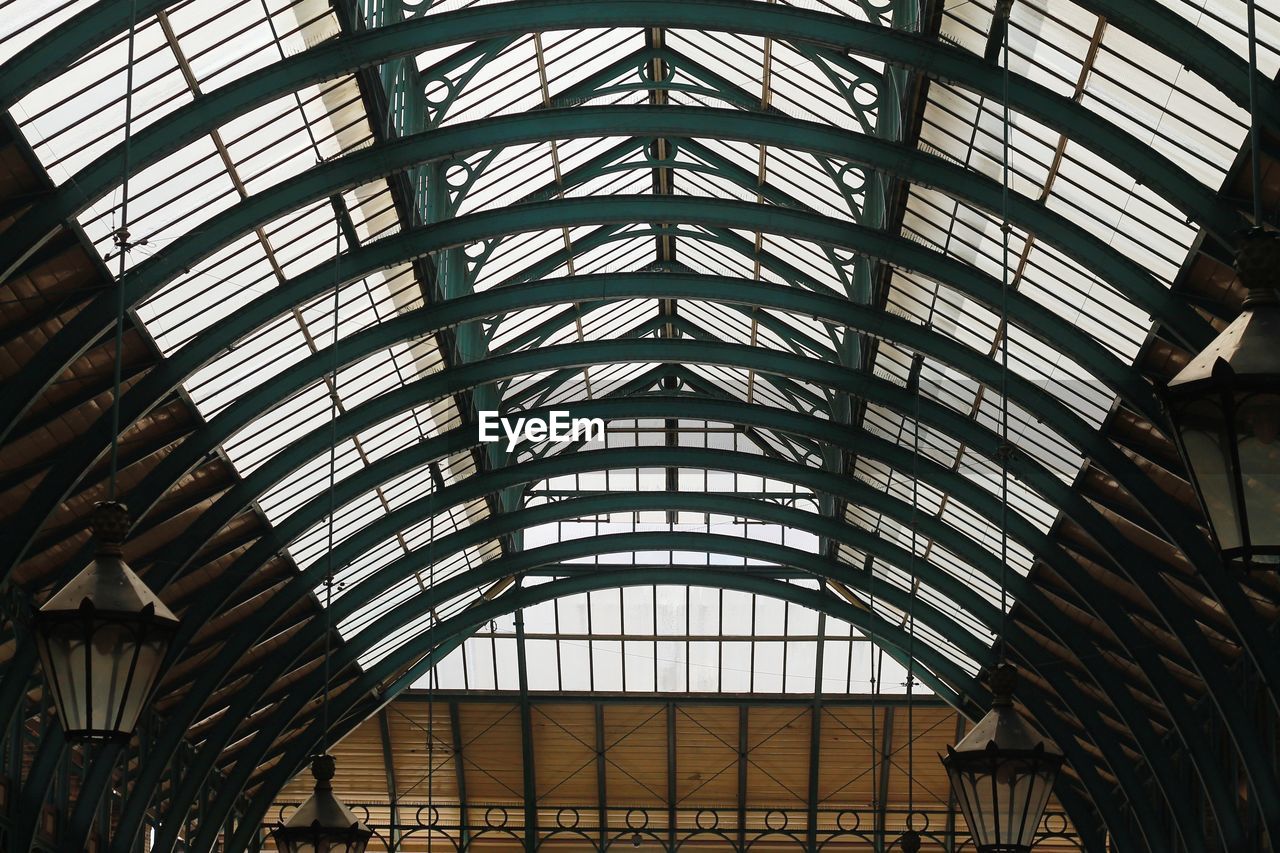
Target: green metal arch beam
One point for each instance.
(1088, 435)
(1151, 23)
(1084, 437)
(1180, 525)
(556, 553)
(757, 128)
(524, 598)
(1177, 522)
(359, 167)
(283, 659)
(819, 26)
(245, 698)
(933, 58)
(1160, 27)
(937, 476)
(1206, 663)
(860, 493)
(949, 489)
(276, 778)
(1135, 717)
(161, 381)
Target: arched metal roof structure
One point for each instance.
(762, 241)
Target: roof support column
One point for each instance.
(526, 742)
(602, 787)
(815, 736)
(882, 795)
(671, 776)
(388, 766)
(460, 774)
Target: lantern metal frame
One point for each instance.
(105, 599)
(1002, 740)
(1242, 362)
(323, 824)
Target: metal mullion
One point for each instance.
(1171, 140)
(263, 127)
(654, 594)
(217, 47)
(974, 127)
(622, 626)
(139, 117)
(118, 41)
(617, 254)
(578, 49)
(707, 183)
(483, 91)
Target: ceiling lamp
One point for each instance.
(103, 638)
(1002, 774)
(1225, 408)
(323, 824)
(1225, 404)
(1003, 771)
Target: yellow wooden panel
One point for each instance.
(565, 753)
(636, 754)
(778, 756)
(706, 755)
(492, 752)
(422, 751)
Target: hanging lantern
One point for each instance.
(322, 824)
(1002, 774)
(103, 638)
(909, 841)
(1225, 409)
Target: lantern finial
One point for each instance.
(110, 523)
(1257, 264)
(323, 768)
(1003, 679)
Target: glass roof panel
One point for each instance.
(670, 639)
(660, 637)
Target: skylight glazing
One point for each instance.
(193, 49)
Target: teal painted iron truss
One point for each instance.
(760, 242)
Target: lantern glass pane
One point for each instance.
(1205, 435)
(146, 654)
(100, 673)
(112, 666)
(62, 654)
(1002, 799)
(1258, 427)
